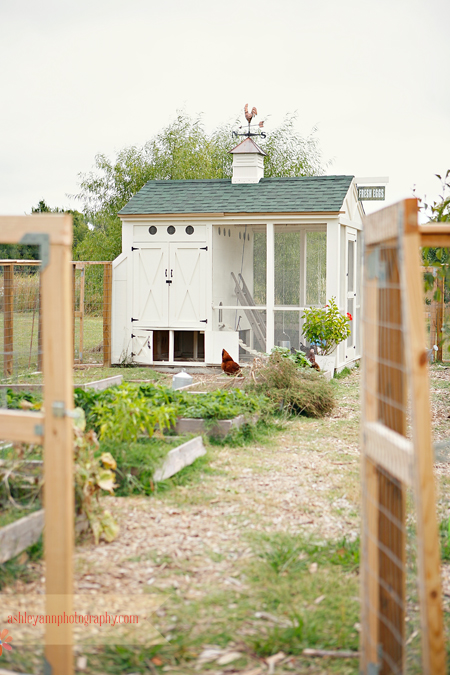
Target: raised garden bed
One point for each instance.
(19, 535)
(216, 428)
(97, 385)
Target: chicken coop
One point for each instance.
(231, 264)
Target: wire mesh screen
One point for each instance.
(20, 328)
(92, 317)
(398, 491)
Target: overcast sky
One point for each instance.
(88, 76)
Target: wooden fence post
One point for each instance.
(58, 454)
(439, 317)
(8, 325)
(39, 359)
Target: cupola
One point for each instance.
(248, 162)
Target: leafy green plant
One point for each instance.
(124, 413)
(326, 326)
(221, 404)
(16, 399)
(298, 357)
(92, 475)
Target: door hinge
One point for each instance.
(203, 320)
(133, 335)
(134, 248)
(203, 248)
(168, 281)
(134, 320)
(132, 354)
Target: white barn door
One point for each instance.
(150, 291)
(187, 292)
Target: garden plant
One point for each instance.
(326, 327)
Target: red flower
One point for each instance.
(349, 316)
(326, 306)
(4, 641)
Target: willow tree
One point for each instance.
(181, 151)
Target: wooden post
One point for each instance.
(107, 304)
(439, 318)
(55, 426)
(8, 325)
(433, 645)
(58, 454)
(81, 312)
(74, 267)
(370, 479)
(39, 359)
(270, 287)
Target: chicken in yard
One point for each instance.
(312, 359)
(229, 366)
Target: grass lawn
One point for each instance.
(25, 340)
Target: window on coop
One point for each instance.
(239, 283)
(288, 329)
(288, 266)
(316, 268)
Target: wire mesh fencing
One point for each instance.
(21, 342)
(20, 318)
(92, 314)
(401, 610)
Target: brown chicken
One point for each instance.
(312, 359)
(229, 366)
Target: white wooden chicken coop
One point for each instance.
(232, 263)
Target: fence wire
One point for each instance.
(20, 317)
(20, 320)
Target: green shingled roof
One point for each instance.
(270, 195)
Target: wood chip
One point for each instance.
(332, 654)
(229, 658)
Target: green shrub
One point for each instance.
(222, 404)
(299, 391)
(125, 412)
(326, 326)
(298, 357)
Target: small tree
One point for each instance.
(326, 327)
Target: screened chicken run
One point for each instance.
(230, 264)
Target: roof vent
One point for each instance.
(248, 162)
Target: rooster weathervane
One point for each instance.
(249, 116)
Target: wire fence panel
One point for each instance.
(402, 618)
(91, 296)
(21, 322)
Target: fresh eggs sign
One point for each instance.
(371, 193)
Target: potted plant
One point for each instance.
(325, 327)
